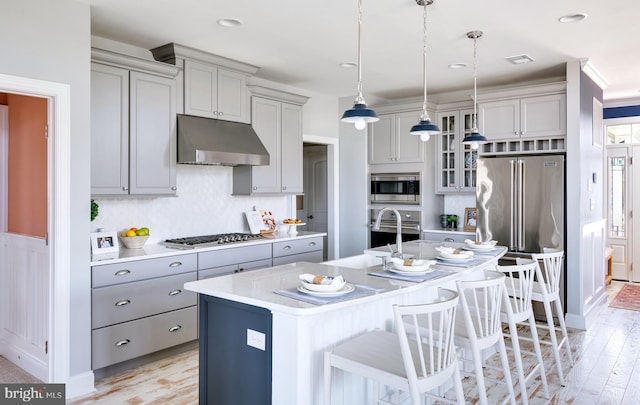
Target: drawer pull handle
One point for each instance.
(286, 247)
(122, 272)
(123, 342)
(312, 243)
(175, 292)
(175, 264)
(175, 328)
(122, 303)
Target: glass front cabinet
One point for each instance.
(456, 163)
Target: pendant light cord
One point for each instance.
(424, 61)
(475, 81)
(360, 97)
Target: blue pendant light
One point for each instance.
(425, 128)
(359, 114)
(474, 139)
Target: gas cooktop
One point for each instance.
(193, 242)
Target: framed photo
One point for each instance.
(470, 218)
(104, 242)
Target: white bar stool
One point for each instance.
(414, 363)
(518, 308)
(481, 302)
(547, 291)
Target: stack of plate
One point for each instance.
(411, 267)
(329, 287)
(454, 255)
(470, 244)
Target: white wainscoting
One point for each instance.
(24, 299)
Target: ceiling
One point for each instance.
(302, 43)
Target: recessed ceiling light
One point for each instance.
(519, 59)
(229, 22)
(457, 65)
(348, 65)
(571, 18)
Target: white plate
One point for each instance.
(412, 272)
(480, 247)
(463, 258)
(463, 255)
(415, 267)
(344, 290)
(323, 287)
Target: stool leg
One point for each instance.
(327, 378)
(507, 371)
(554, 341)
(563, 328)
(515, 342)
(457, 384)
(477, 365)
(536, 346)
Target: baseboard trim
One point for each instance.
(25, 361)
(80, 385)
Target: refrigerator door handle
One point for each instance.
(521, 202)
(512, 217)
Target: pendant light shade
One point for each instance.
(474, 139)
(425, 128)
(359, 114)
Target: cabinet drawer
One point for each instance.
(225, 257)
(314, 257)
(296, 246)
(224, 270)
(128, 340)
(125, 302)
(118, 273)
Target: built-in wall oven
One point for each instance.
(395, 188)
(410, 227)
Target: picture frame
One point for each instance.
(104, 242)
(470, 218)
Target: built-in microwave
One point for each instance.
(395, 188)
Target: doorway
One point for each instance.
(318, 206)
(623, 199)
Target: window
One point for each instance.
(623, 133)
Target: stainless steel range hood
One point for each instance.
(206, 141)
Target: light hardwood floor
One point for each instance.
(607, 371)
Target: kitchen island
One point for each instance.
(259, 345)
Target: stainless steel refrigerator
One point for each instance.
(520, 202)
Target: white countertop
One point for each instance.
(151, 251)
(257, 287)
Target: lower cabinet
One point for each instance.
(298, 250)
(233, 260)
(141, 307)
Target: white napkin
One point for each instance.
(473, 242)
(324, 280)
(451, 253)
(414, 262)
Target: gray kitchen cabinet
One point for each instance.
(297, 250)
(140, 307)
(133, 126)
(390, 141)
(233, 260)
(528, 117)
(456, 163)
(213, 92)
(447, 236)
(278, 123)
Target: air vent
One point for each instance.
(519, 59)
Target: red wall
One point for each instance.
(27, 166)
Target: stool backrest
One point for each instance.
(481, 303)
(549, 270)
(430, 349)
(519, 283)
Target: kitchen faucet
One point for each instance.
(376, 227)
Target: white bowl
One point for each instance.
(134, 242)
(337, 284)
(417, 265)
(481, 245)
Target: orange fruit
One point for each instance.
(133, 229)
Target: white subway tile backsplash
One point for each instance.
(204, 205)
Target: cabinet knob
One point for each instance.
(174, 188)
(122, 272)
(284, 187)
(220, 113)
(175, 292)
(175, 264)
(255, 187)
(125, 188)
(312, 244)
(175, 328)
(122, 303)
(122, 342)
(286, 247)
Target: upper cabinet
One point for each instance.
(133, 126)
(456, 163)
(210, 86)
(277, 119)
(390, 141)
(530, 117)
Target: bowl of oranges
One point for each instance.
(134, 238)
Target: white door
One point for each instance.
(24, 264)
(315, 201)
(635, 218)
